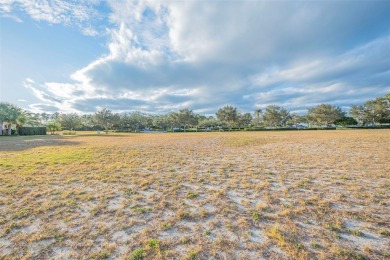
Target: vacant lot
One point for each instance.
(302, 194)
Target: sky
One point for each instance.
(162, 56)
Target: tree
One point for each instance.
(358, 113)
(44, 118)
(186, 118)
(21, 120)
(373, 111)
(346, 121)
(296, 119)
(161, 122)
(11, 114)
(275, 116)
(208, 122)
(106, 119)
(228, 115)
(70, 121)
(376, 110)
(34, 119)
(324, 114)
(244, 120)
(135, 121)
(53, 126)
(257, 117)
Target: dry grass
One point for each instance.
(300, 195)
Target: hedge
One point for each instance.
(369, 127)
(32, 131)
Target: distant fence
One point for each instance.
(32, 131)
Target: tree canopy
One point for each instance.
(228, 115)
(372, 112)
(275, 116)
(324, 114)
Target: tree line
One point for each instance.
(372, 112)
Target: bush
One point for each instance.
(69, 133)
(32, 131)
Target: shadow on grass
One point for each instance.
(19, 143)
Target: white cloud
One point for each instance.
(205, 54)
(12, 17)
(72, 13)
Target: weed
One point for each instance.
(154, 243)
(183, 214)
(166, 226)
(100, 255)
(315, 245)
(137, 254)
(356, 232)
(255, 216)
(275, 234)
(192, 195)
(350, 255)
(130, 192)
(192, 255)
(384, 232)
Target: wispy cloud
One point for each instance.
(81, 14)
(12, 17)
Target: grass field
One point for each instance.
(257, 195)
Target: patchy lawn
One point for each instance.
(298, 194)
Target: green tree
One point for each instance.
(228, 115)
(186, 118)
(11, 114)
(244, 120)
(376, 110)
(373, 111)
(208, 123)
(136, 121)
(358, 113)
(275, 116)
(44, 118)
(106, 119)
(346, 121)
(257, 117)
(324, 114)
(53, 126)
(70, 121)
(296, 119)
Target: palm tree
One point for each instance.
(11, 114)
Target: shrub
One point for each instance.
(69, 133)
(32, 131)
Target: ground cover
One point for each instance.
(239, 195)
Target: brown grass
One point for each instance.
(298, 195)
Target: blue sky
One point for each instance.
(159, 56)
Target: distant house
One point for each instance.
(4, 130)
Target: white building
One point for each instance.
(4, 129)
